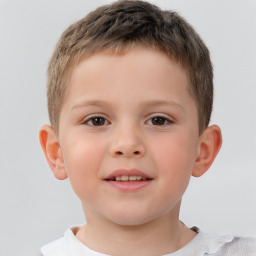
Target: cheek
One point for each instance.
(175, 160)
(82, 162)
(177, 152)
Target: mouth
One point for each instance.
(128, 175)
(128, 180)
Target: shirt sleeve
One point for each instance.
(239, 246)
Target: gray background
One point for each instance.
(36, 208)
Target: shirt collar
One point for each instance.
(202, 243)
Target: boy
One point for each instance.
(130, 91)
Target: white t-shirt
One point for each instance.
(202, 245)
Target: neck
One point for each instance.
(162, 236)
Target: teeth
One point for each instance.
(118, 178)
(129, 178)
(124, 178)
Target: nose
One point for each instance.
(127, 144)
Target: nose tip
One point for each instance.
(125, 149)
(127, 141)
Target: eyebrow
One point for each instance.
(149, 103)
(163, 102)
(85, 103)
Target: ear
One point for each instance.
(209, 145)
(52, 151)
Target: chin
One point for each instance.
(131, 219)
(130, 222)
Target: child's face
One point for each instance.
(129, 115)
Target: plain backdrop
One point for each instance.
(36, 208)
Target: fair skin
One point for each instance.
(130, 116)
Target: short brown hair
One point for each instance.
(121, 25)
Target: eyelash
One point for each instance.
(163, 120)
(102, 121)
(89, 121)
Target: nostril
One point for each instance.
(119, 153)
(128, 152)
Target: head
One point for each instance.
(130, 96)
(117, 28)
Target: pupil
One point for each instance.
(158, 120)
(97, 121)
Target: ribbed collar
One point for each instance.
(202, 244)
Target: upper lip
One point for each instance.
(127, 172)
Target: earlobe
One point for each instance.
(52, 151)
(209, 146)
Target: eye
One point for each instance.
(96, 121)
(159, 120)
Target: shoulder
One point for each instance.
(56, 248)
(68, 245)
(239, 246)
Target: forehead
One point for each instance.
(130, 60)
(138, 72)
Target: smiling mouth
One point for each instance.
(128, 180)
(125, 178)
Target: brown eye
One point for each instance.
(158, 120)
(97, 121)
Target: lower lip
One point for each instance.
(129, 186)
